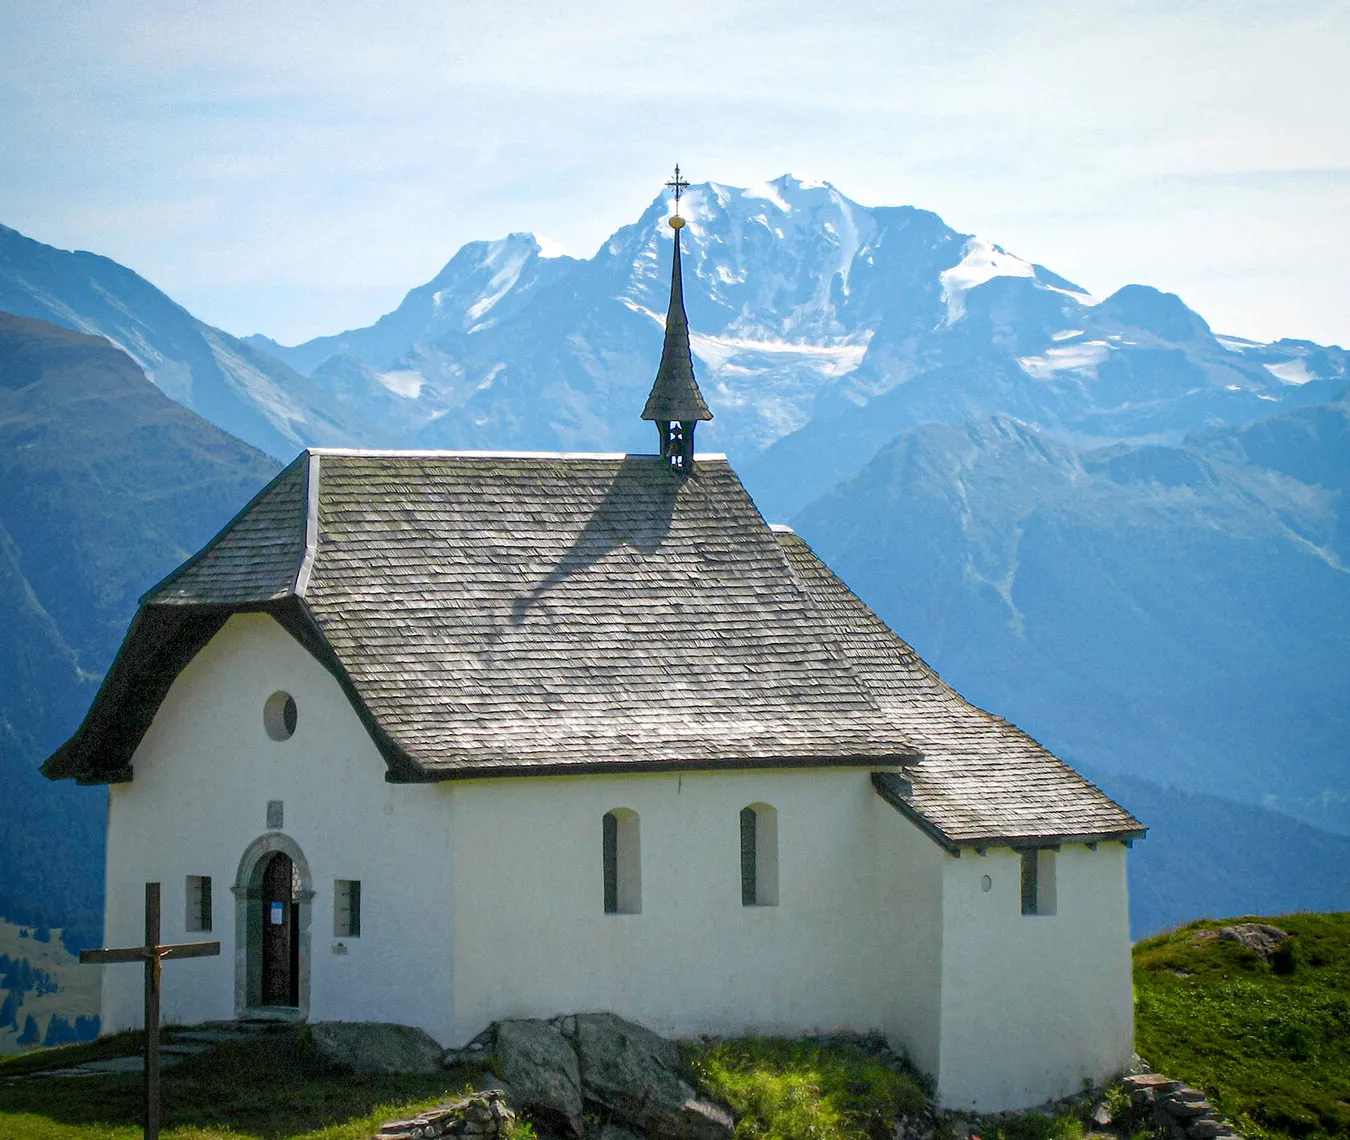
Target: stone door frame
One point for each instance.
(247, 891)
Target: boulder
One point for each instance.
(1256, 936)
(540, 1069)
(376, 1046)
(635, 1078)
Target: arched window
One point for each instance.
(759, 855)
(622, 861)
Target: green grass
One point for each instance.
(1269, 1044)
(803, 1090)
(275, 1088)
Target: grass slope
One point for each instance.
(807, 1090)
(1269, 1043)
(275, 1088)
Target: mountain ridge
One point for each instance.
(111, 484)
(228, 382)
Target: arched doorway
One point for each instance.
(273, 896)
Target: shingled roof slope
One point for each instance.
(570, 612)
(981, 778)
(255, 558)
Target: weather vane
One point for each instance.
(679, 185)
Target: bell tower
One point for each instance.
(675, 404)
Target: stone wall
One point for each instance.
(1176, 1107)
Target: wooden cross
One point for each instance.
(153, 955)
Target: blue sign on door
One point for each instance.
(278, 915)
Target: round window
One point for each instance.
(986, 882)
(279, 715)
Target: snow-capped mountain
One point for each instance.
(246, 392)
(820, 329)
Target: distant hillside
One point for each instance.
(108, 485)
(1210, 855)
(1178, 613)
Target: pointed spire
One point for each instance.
(675, 402)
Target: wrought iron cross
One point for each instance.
(679, 185)
(153, 955)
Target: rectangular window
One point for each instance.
(1038, 882)
(198, 903)
(347, 908)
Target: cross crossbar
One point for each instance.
(152, 956)
(141, 953)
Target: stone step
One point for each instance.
(211, 1037)
(115, 1065)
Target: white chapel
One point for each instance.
(446, 737)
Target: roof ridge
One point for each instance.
(449, 453)
(306, 566)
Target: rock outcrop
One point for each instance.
(377, 1046)
(541, 1071)
(598, 1066)
(1255, 936)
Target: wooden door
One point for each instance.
(280, 937)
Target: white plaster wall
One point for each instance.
(1032, 1004)
(844, 947)
(909, 933)
(203, 775)
(876, 927)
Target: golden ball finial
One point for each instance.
(676, 222)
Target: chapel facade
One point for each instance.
(445, 737)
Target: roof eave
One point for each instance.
(894, 789)
(100, 750)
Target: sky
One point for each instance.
(295, 168)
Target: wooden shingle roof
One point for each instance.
(495, 614)
(980, 778)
